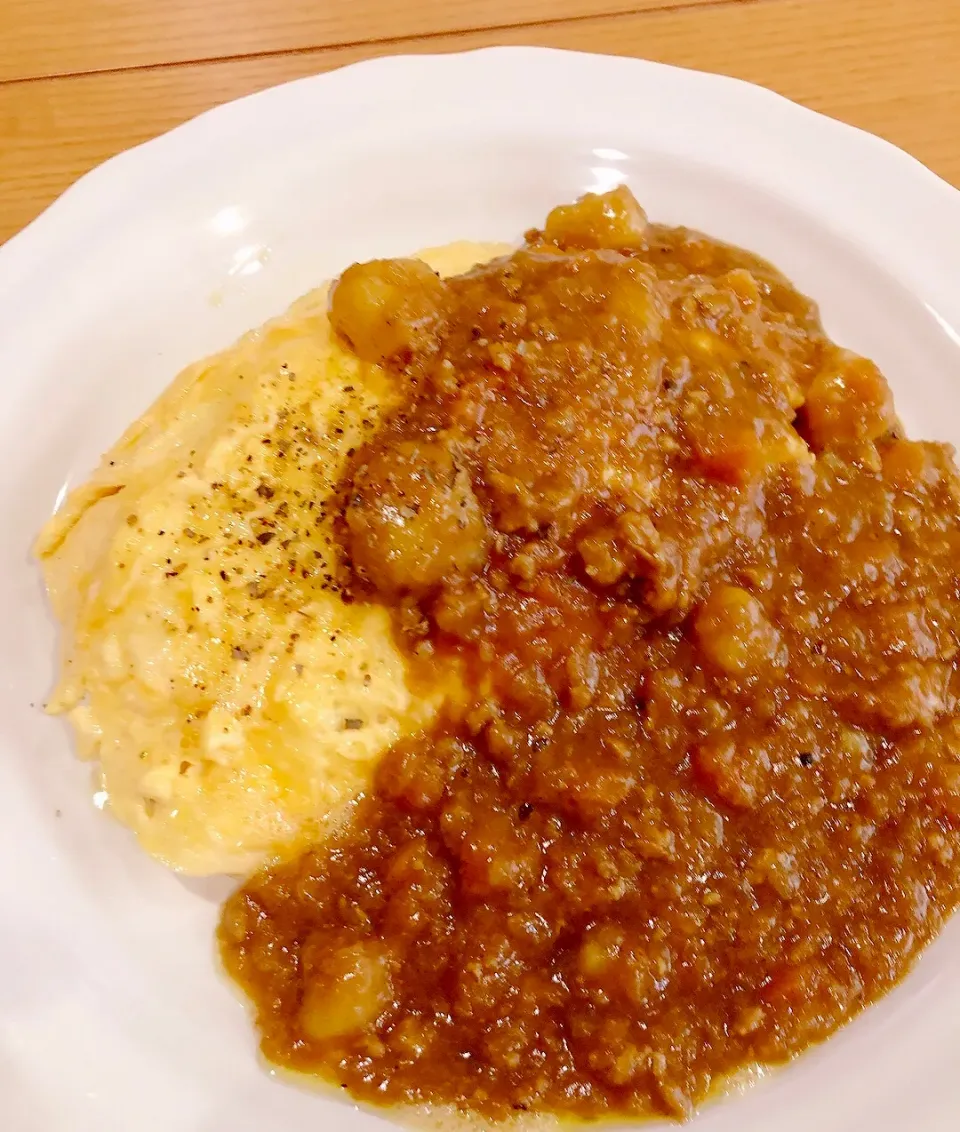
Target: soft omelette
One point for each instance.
(234, 700)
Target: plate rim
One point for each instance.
(107, 177)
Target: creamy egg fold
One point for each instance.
(233, 699)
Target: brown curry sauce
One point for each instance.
(703, 801)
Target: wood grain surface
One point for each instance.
(81, 80)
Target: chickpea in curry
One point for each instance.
(701, 803)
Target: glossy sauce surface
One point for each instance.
(702, 801)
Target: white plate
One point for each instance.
(112, 1015)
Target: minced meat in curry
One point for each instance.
(702, 801)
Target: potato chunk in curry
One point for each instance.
(414, 519)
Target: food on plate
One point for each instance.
(700, 803)
(232, 696)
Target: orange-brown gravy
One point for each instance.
(703, 803)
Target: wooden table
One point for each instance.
(82, 79)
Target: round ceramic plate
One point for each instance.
(113, 1016)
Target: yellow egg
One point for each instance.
(233, 699)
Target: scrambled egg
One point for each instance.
(234, 700)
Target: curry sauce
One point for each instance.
(702, 804)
